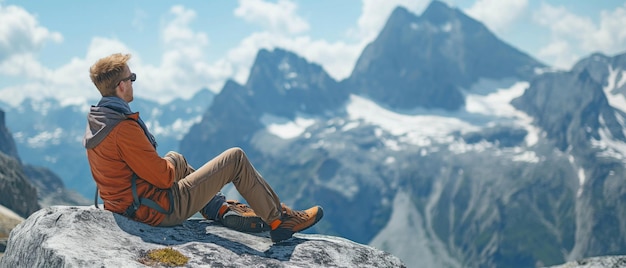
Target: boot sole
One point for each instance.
(246, 224)
(281, 234)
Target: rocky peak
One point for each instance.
(231, 117)
(609, 71)
(572, 106)
(439, 12)
(285, 70)
(57, 237)
(17, 192)
(425, 61)
(7, 144)
(283, 83)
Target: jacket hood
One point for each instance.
(103, 117)
(100, 122)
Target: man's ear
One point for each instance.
(119, 89)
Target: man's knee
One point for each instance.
(236, 152)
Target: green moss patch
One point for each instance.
(166, 256)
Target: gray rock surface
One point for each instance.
(596, 262)
(70, 236)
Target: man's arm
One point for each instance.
(138, 153)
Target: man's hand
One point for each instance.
(180, 164)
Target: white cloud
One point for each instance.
(497, 15)
(611, 34)
(337, 58)
(177, 31)
(573, 36)
(560, 54)
(69, 83)
(182, 70)
(276, 17)
(20, 32)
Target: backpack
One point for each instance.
(138, 201)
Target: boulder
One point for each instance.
(82, 236)
(595, 262)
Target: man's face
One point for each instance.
(125, 90)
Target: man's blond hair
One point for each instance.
(107, 72)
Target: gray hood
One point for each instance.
(100, 122)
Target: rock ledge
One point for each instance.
(70, 236)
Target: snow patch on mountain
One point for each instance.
(617, 101)
(460, 147)
(177, 129)
(421, 129)
(487, 105)
(581, 179)
(581, 175)
(42, 139)
(497, 104)
(609, 146)
(526, 156)
(622, 80)
(283, 127)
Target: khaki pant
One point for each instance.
(195, 188)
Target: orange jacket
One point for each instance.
(125, 150)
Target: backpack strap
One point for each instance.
(138, 201)
(95, 199)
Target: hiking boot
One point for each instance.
(293, 221)
(241, 217)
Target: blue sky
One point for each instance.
(179, 47)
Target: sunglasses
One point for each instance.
(132, 78)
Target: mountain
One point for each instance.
(49, 134)
(281, 86)
(587, 122)
(51, 190)
(7, 144)
(26, 188)
(16, 191)
(428, 60)
(446, 146)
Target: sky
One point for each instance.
(180, 47)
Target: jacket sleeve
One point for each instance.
(135, 149)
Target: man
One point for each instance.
(133, 180)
